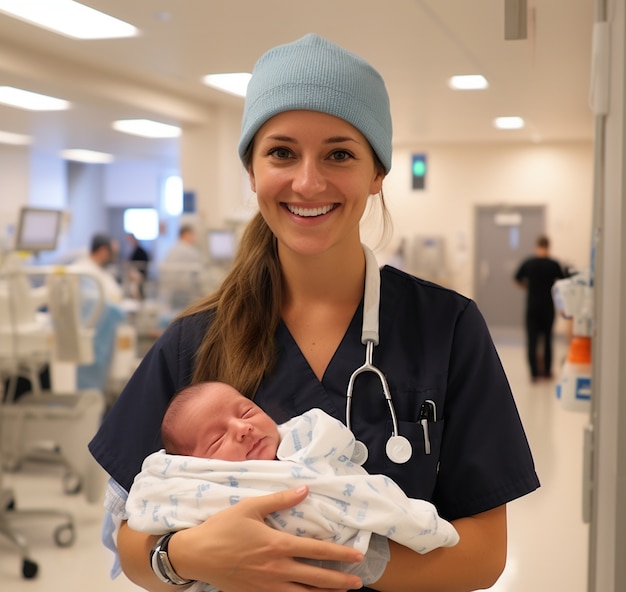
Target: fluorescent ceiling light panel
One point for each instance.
(68, 18)
(14, 139)
(508, 123)
(235, 83)
(83, 155)
(468, 82)
(147, 128)
(24, 99)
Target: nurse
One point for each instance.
(285, 328)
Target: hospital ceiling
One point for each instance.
(416, 45)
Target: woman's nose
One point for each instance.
(308, 179)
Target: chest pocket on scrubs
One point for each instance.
(418, 475)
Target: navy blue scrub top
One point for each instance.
(434, 345)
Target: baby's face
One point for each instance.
(226, 425)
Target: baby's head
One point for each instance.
(214, 420)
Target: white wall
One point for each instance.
(47, 181)
(211, 167)
(460, 177)
(132, 183)
(14, 183)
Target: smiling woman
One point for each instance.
(288, 326)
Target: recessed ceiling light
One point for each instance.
(24, 99)
(83, 155)
(147, 128)
(468, 82)
(68, 18)
(508, 122)
(235, 83)
(14, 139)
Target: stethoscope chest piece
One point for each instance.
(398, 449)
(359, 454)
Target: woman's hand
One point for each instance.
(236, 551)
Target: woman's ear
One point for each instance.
(377, 182)
(252, 179)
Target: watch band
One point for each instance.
(161, 564)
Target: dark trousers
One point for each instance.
(539, 333)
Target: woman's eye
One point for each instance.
(341, 155)
(280, 152)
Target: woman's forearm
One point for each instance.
(475, 563)
(134, 551)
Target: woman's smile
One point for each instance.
(310, 212)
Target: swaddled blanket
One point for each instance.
(345, 504)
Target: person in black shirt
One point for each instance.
(139, 259)
(536, 275)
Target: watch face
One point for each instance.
(163, 568)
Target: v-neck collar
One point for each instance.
(354, 328)
(292, 387)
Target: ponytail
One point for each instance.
(239, 347)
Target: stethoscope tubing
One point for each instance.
(369, 367)
(398, 448)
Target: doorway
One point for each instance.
(505, 235)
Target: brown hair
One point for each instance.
(239, 347)
(543, 242)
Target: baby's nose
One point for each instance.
(243, 429)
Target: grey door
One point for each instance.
(504, 237)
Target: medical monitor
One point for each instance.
(222, 244)
(38, 229)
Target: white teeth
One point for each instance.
(310, 212)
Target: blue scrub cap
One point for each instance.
(315, 74)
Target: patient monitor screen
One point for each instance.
(222, 244)
(38, 229)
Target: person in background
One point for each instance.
(285, 328)
(102, 252)
(138, 255)
(536, 275)
(185, 249)
(181, 272)
(139, 259)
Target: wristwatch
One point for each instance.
(161, 564)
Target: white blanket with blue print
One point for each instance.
(345, 504)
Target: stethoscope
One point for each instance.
(398, 448)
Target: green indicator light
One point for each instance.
(419, 168)
(418, 171)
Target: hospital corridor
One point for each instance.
(249, 175)
(548, 540)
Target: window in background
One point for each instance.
(142, 222)
(173, 195)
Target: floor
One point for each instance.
(547, 537)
